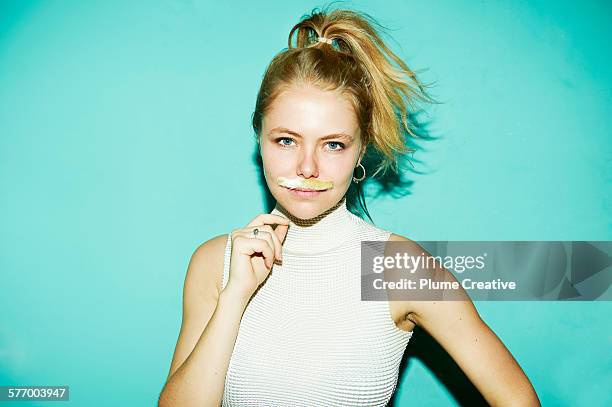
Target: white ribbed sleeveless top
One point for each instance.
(306, 338)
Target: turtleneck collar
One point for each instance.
(319, 234)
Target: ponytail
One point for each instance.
(343, 50)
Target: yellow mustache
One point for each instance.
(299, 183)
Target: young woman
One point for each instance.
(272, 312)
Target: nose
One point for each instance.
(308, 165)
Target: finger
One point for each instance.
(277, 236)
(268, 255)
(267, 234)
(269, 238)
(278, 249)
(268, 219)
(256, 246)
(259, 268)
(281, 232)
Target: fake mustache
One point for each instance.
(307, 184)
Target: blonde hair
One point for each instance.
(380, 86)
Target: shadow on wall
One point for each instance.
(425, 348)
(395, 184)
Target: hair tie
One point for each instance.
(325, 40)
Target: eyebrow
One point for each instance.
(293, 133)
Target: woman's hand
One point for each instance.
(253, 256)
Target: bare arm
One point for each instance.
(481, 355)
(208, 332)
(211, 316)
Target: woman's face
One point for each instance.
(309, 134)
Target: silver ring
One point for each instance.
(255, 232)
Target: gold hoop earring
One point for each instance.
(357, 180)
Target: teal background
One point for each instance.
(121, 121)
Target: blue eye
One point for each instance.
(284, 138)
(335, 145)
(341, 146)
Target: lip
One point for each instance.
(304, 193)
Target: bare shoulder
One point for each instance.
(398, 238)
(206, 266)
(410, 308)
(402, 309)
(394, 237)
(408, 245)
(420, 310)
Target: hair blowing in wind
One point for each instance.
(379, 85)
